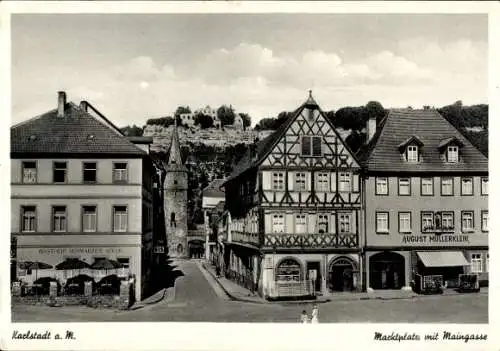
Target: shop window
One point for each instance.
(288, 271)
(476, 263)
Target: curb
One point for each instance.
(143, 304)
(360, 298)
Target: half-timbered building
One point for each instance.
(294, 200)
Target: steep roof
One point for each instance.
(174, 154)
(77, 132)
(214, 189)
(382, 153)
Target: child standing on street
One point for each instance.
(315, 315)
(304, 318)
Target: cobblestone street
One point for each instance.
(198, 298)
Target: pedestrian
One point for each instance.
(304, 318)
(314, 315)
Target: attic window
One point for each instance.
(452, 153)
(412, 153)
(32, 137)
(91, 137)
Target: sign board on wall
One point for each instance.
(79, 250)
(434, 239)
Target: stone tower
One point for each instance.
(175, 197)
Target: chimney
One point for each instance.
(83, 106)
(61, 103)
(371, 128)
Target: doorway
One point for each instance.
(341, 275)
(314, 268)
(387, 271)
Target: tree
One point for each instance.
(247, 120)
(204, 121)
(266, 124)
(182, 109)
(374, 109)
(226, 115)
(132, 131)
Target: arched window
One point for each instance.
(288, 271)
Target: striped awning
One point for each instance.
(443, 258)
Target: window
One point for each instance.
(412, 153)
(89, 219)
(120, 173)
(405, 222)
(60, 170)
(173, 223)
(404, 186)
(120, 218)
(447, 186)
(447, 220)
(345, 222)
(29, 218)
(300, 224)
(382, 222)
(322, 184)
(323, 223)
(381, 186)
(278, 181)
(59, 218)
(467, 221)
(278, 224)
(487, 268)
(484, 186)
(476, 263)
(89, 171)
(311, 146)
(452, 153)
(484, 221)
(288, 271)
(344, 181)
(427, 186)
(427, 221)
(29, 172)
(467, 186)
(300, 181)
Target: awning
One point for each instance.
(443, 258)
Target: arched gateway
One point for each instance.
(341, 274)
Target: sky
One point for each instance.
(132, 67)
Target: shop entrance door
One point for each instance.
(387, 271)
(314, 267)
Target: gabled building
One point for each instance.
(212, 197)
(81, 189)
(425, 201)
(294, 203)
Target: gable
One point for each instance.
(310, 122)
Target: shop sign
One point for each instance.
(434, 239)
(79, 250)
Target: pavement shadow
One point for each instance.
(164, 278)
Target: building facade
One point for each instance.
(425, 201)
(212, 196)
(81, 189)
(175, 188)
(294, 206)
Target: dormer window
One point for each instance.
(412, 153)
(411, 149)
(450, 149)
(452, 153)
